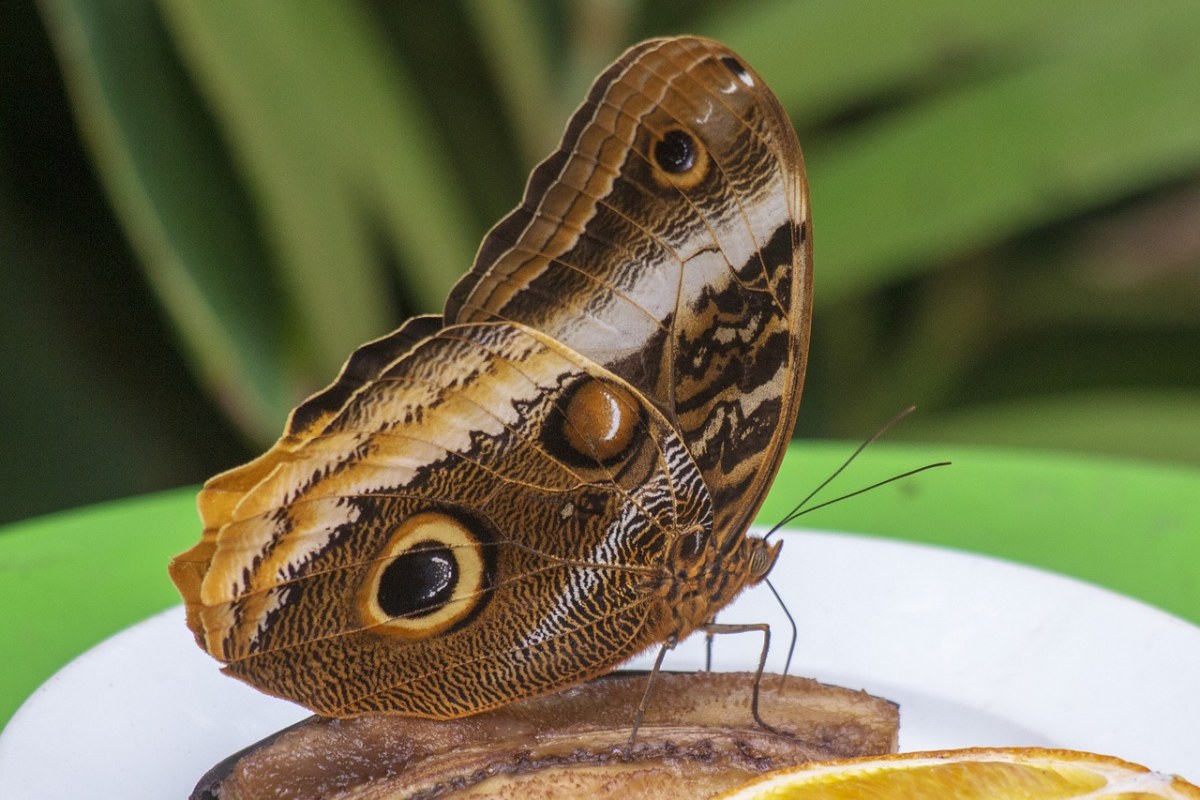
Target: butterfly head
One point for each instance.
(761, 558)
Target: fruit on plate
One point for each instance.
(991, 773)
(697, 738)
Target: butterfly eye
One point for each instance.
(597, 423)
(763, 556)
(431, 576)
(680, 158)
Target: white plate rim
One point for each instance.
(993, 652)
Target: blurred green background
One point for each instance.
(205, 206)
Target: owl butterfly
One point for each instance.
(559, 471)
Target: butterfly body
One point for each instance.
(558, 472)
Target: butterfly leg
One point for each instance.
(712, 628)
(668, 645)
(791, 651)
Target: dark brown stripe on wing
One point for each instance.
(508, 231)
(364, 365)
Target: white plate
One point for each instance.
(976, 651)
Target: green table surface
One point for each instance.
(71, 579)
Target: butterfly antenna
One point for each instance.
(800, 508)
(876, 485)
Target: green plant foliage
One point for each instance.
(1006, 194)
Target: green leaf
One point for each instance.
(180, 205)
(1126, 525)
(1163, 424)
(513, 39)
(1039, 113)
(328, 130)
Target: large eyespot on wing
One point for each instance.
(594, 423)
(426, 551)
(669, 239)
(435, 572)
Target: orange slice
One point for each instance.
(995, 774)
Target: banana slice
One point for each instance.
(697, 738)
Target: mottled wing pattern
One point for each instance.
(558, 471)
(668, 238)
(447, 530)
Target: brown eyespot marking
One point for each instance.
(598, 421)
(679, 158)
(430, 576)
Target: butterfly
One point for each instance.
(559, 471)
